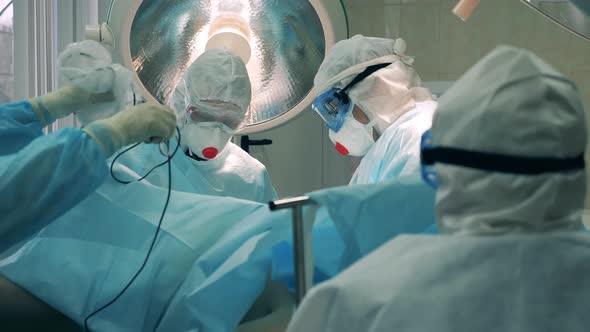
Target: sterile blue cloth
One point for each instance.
(41, 177)
(213, 254)
(223, 244)
(397, 152)
(233, 173)
(353, 221)
(208, 266)
(367, 216)
(210, 262)
(19, 126)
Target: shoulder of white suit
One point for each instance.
(244, 156)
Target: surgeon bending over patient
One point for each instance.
(373, 103)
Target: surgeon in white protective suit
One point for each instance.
(210, 101)
(506, 146)
(372, 102)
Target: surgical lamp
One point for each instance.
(282, 42)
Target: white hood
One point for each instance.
(510, 103)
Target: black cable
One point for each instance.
(346, 19)
(117, 157)
(5, 8)
(150, 171)
(143, 265)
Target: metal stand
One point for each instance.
(297, 203)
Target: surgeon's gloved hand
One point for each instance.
(148, 122)
(65, 101)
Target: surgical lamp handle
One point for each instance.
(297, 203)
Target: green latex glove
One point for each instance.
(148, 122)
(65, 101)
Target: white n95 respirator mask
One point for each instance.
(206, 140)
(353, 138)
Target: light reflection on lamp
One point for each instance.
(284, 41)
(231, 32)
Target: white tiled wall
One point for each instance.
(444, 46)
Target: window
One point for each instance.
(6, 52)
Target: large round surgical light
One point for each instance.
(282, 42)
(572, 15)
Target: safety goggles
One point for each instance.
(491, 162)
(333, 105)
(224, 115)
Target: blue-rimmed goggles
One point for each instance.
(427, 169)
(491, 162)
(333, 105)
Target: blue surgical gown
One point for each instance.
(41, 177)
